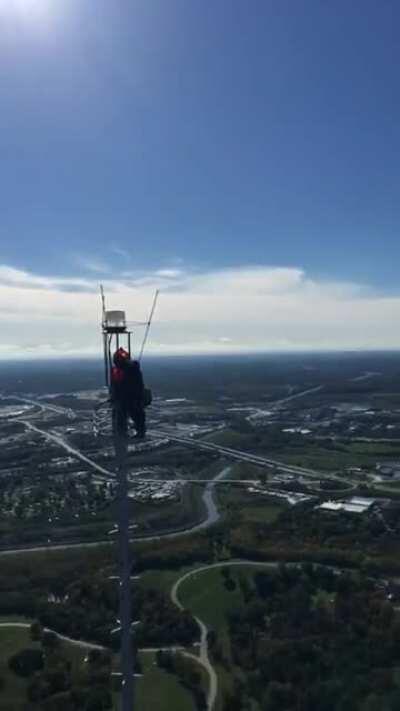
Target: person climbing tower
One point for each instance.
(127, 394)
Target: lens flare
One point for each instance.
(35, 11)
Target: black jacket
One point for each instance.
(127, 385)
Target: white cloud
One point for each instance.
(21, 279)
(242, 309)
(91, 264)
(169, 273)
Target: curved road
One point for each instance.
(212, 517)
(204, 656)
(76, 642)
(203, 659)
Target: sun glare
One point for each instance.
(28, 10)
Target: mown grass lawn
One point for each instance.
(13, 639)
(250, 507)
(155, 691)
(159, 691)
(206, 596)
(161, 579)
(346, 454)
(13, 695)
(261, 513)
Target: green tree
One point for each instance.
(36, 631)
(50, 641)
(99, 699)
(26, 662)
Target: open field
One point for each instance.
(340, 455)
(156, 690)
(248, 506)
(162, 579)
(159, 691)
(329, 456)
(13, 639)
(206, 596)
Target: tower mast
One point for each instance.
(114, 330)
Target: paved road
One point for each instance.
(153, 650)
(76, 642)
(43, 406)
(204, 655)
(243, 456)
(90, 645)
(211, 518)
(71, 450)
(203, 658)
(309, 391)
(365, 376)
(198, 444)
(259, 414)
(212, 513)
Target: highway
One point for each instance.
(243, 456)
(71, 450)
(212, 512)
(58, 410)
(309, 391)
(208, 499)
(259, 414)
(198, 444)
(228, 452)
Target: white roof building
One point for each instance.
(356, 504)
(354, 508)
(331, 506)
(361, 501)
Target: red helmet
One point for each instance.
(120, 356)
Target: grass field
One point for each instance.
(14, 693)
(156, 690)
(206, 596)
(159, 691)
(313, 454)
(261, 512)
(162, 579)
(250, 507)
(13, 639)
(344, 455)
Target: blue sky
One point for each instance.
(143, 135)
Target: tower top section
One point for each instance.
(114, 322)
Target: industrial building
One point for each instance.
(356, 505)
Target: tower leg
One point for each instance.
(127, 656)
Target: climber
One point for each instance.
(127, 394)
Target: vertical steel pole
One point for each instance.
(106, 366)
(125, 603)
(125, 562)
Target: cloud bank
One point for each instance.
(227, 310)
